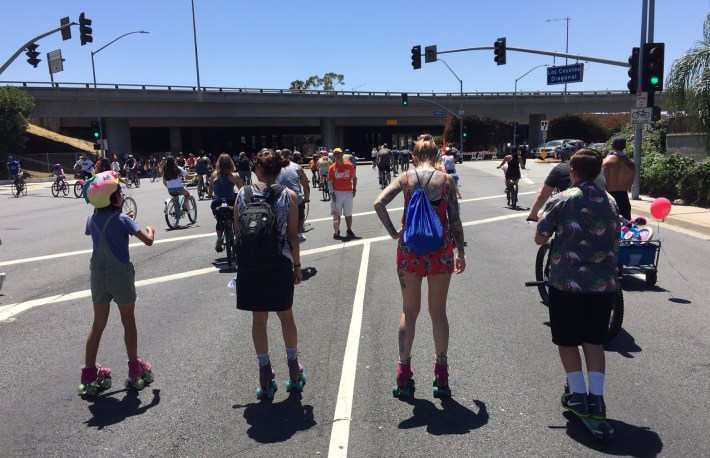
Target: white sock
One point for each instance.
(576, 382)
(596, 383)
(263, 359)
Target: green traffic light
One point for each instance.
(404, 102)
(654, 80)
(465, 134)
(96, 135)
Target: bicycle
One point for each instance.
(385, 178)
(132, 179)
(202, 188)
(542, 272)
(174, 210)
(225, 217)
(154, 175)
(324, 189)
(315, 183)
(18, 185)
(79, 186)
(511, 195)
(130, 207)
(60, 186)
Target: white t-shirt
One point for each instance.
(177, 182)
(115, 166)
(448, 163)
(85, 164)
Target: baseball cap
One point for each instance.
(337, 151)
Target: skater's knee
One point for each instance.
(259, 319)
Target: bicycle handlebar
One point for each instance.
(535, 283)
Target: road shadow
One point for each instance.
(623, 344)
(107, 410)
(631, 283)
(452, 418)
(271, 422)
(629, 440)
(308, 273)
(677, 300)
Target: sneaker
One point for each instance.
(301, 238)
(218, 246)
(350, 233)
(576, 403)
(336, 236)
(597, 407)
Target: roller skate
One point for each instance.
(266, 380)
(139, 374)
(405, 383)
(297, 376)
(440, 385)
(94, 380)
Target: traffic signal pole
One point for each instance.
(599, 60)
(34, 40)
(638, 128)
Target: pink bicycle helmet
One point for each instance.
(98, 190)
(57, 166)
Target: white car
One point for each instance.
(551, 148)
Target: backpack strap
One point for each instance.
(248, 194)
(274, 192)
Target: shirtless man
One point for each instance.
(619, 174)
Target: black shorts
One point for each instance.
(266, 291)
(622, 201)
(384, 168)
(301, 211)
(577, 318)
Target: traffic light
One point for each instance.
(633, 83)
(66, 32)
(464, 134)
(499, 51)
(405, 99)
(85, 30)
(652, 74)
(416, 57)
(32, 54)
(95, 132)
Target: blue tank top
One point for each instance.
(223, 188)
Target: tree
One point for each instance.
(688, 86)
(327, 82)
(579, 127)
(16, 107)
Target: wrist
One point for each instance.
(296, 265)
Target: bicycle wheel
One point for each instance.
(171, 216)
(55, 189)
(542, 271)
(78, 189)
(16, 189)
(65, 188)
(137, 182)
(616, 318)
(201, 191)
(130, 207)
(192, 210)
(229, 243)
(514, 196)
(153, 176)
(23, 188)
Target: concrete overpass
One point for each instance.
(219, 119)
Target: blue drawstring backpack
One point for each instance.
(423, 231)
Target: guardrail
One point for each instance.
(159, 87)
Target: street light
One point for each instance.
(96, 98)
(566, 19)
(460, 104)
(358, 87)
(515, 102)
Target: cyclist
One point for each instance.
(191, 160)
(172, 179)
(203, 168)
(373, 156)
(115, 165)
(152, 166)
(131, 168)
(58, 173)
(384, 161)
(222, 182)
(323, 165)
(395, 161)
(350, 157)
(244, 166)
(86, 166)
(448, 163)
(13, 169)
(313, 165)
(512, 174)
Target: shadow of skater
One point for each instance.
(107, 410)
(277, 422)
(629, 440)
(452, 418)
(624, 344)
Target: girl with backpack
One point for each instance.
(269, 265)
(437, 265)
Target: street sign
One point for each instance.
(565, 74)
(543, 125)
(439, 113)
(55, 61)
(641, 99)
(430, 54)
(641, 115)
(391, 122)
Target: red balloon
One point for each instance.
(660, 208)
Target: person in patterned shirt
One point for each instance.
(582, 279)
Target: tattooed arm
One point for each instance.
(455, 225)
(385, 197)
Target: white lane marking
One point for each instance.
(340, 432)
(526, 180)
(10, 310)
(210, 234)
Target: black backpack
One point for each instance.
(258, 245)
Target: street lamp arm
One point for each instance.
(541, 65)
(116, 39)
(447, 66)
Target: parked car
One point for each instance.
(597, 146)
(552, 148)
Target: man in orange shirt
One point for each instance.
(342, 183)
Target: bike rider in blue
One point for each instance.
(13, 168)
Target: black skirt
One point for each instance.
(266, 291)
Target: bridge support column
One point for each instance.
(175, 140)
(118, 136)
(535, 134)
(327, 132)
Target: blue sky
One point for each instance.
(269, 43)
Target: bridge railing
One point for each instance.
(209, 89)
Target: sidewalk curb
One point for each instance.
(641, 207)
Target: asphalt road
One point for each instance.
(505, 373)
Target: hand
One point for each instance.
(460, 264)
(297, 275)
(306, 201)
(149, 230)
(532, 218)
(400, 231)
(353, 193)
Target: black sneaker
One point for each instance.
(336, 236)
(597, 407)
(576, 403)
(350, 233)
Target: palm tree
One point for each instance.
(688, 86)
